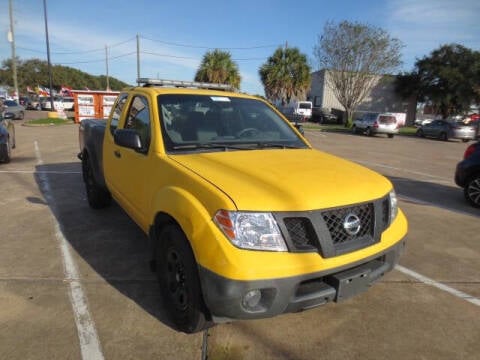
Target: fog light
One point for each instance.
(251, 299)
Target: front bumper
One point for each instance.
(225, 298)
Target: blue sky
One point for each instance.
(174, 35)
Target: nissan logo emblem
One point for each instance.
(352, 224)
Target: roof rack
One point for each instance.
(147, 82)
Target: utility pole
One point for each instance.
(11, 39)
(106, 63)
(138, 58)
(48, 56)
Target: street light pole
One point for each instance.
(106, 64)
(11, 39)
(48, 56)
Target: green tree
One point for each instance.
(218, 67)
(286, 75)
(447, 79)
(355, 55)
(34, 72)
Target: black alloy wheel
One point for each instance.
(179, 281)
(472, 190)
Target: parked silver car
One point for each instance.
(445, 129)
(11, 106)
(376, 123)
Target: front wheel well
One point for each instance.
(162, 220)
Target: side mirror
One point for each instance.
(127, 138)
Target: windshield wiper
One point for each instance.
(224, 147)
(277, 146)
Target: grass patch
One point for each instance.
(405, 130)
(325, 127)
(408, 130)
(49, 121)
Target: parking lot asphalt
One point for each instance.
(75, 283)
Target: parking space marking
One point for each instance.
(437, 178)
(87, 334)
(438, 285)
(38, 172)
(428, 203)
(315, 133)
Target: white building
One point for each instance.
(382, 98)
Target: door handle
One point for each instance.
(117, 154)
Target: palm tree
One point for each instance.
(218, 67)
(286, 75)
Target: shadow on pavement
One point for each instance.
(107, 239)
(117, 250)
(443, 196)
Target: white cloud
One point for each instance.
(423, 25)
(72, 46)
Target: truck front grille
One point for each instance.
(301, 233)
(335, 231)
(334, 219)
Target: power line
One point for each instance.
(80, 51)
(195, 58)
(211, 47)
(97, 60)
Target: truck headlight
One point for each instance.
(251, 230)
(392, 196)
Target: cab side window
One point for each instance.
(139, 120)
(117, 112)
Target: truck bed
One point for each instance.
(90, 138)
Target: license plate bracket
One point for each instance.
(350, 282)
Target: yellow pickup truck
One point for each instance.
(245, 219)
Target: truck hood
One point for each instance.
(286, 179)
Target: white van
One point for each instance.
(303, 109)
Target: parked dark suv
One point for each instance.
(467, 174)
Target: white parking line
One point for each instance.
(89, 343)
(428, 203)
(38, 172)
(448, 289)
(314, 133)
(437, 178)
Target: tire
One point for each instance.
(465, 140)
(354, 129)
(420, 133)
(21, 116)
(390, 136)
(444, 136)
(97, 196)
(6, 152)
(472, 191)
(368, 131)
(177, 275)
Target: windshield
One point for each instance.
(221, 123)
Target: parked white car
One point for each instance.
(376, 123)
(68, 103)
(65, 103)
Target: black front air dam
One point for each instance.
(224, 296)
